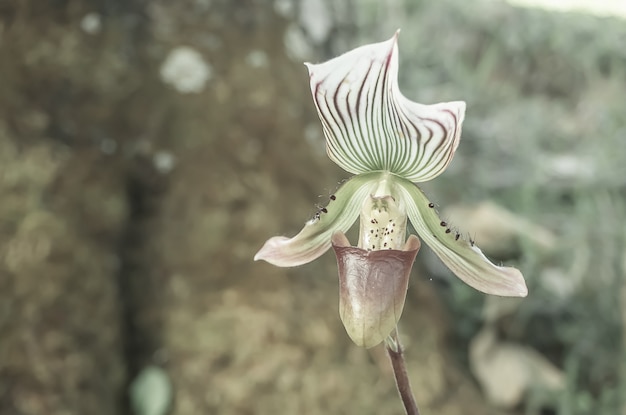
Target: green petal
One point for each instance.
(460, 255)
(369, 125)
(314, 239)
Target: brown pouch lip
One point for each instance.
(372, 288)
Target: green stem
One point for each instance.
(396, 354)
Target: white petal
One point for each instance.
(370, 126)
(460, 255)
(314, 239)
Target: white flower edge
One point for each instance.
(370, 126)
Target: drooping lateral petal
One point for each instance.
(314, 239)
(372, 288)
(461, 256)
(369, 125)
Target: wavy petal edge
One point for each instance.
(369, 125)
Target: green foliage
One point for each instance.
(151, 392)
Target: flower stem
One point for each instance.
(396, 354)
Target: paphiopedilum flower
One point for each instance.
(390, 143)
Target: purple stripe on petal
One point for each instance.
(370, 126)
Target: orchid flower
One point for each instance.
(390, 143)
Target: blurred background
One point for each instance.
(148, 148)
